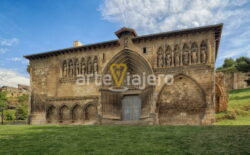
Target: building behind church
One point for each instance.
(188, 55)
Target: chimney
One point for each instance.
(77, 43)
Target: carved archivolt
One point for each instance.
(187, 54)
(181, 99)
(82, 66)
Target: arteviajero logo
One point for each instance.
(118, 72)
(119, 79)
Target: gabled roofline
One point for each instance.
(216, 28)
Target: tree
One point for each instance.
(22, 108)
(228, 66)
(243, 64)
(228, 63)
(3, 104)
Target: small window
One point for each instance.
(144, 50)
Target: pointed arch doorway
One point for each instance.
(134, 102)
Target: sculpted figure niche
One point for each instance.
(95, 65)
(177, 55)
(168, 56)
(65, 68)
(77, 67)
(185, 54)
(194, 53)
(83, 66)
(71, 68)
(203, 52)
(89, 65)
(160, 58)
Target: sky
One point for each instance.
(34, 26)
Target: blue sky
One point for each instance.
(32, 26)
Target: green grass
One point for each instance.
(238, 112)
(70, 139)
(73, 139)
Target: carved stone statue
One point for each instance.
(203, 52)
(203, 56)
(83, 66)
(77, 67)
(168, 57)
(160, 58)
(194, 57)
(71, 68)
(177, 59)
(65, 69)
(185, 55)
(194, 51)
(168, 60)
(177, 55)
(89, 66)
(95, 65)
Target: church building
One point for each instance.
(60, 93)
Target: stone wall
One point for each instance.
(236, 80)
(189, 57)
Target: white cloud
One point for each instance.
(150, 16)
(12, 78)
(8, 42)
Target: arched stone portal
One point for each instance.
(77, 114)
(51, 114)
(64, 114)
(183, 102)
(90, 112)
(221, 96)
(112, 101)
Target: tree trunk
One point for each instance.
(2, 116)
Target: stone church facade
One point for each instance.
(188, 55)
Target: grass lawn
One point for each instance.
(238, 112)
(70, 139)
(73, 139)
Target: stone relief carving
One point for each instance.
(168, 56)
(89, 65)
(185, 55)
(188, 54)
(203, 52)
(160, 58)
(83, 65)
(75, 67)
(65, 68)
(95, 65)
(177, 55)
(71, 68)
(194, 53)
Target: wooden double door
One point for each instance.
(131, 107)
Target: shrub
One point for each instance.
(9, 114)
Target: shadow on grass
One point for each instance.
(72, 139)
(236, 91)
(239, 97)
